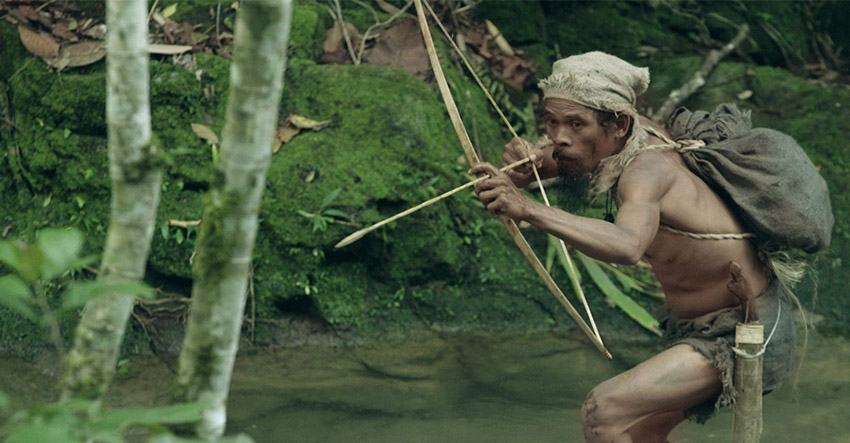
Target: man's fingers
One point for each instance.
(484, 168)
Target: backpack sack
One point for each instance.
(764, 174)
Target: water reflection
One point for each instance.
(474, 388)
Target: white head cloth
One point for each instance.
(607, 83)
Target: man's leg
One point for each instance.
(656, 428)
(672, 381)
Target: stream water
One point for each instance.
(472, 388)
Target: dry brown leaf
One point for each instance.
(283, 135)
(401, 46)
(38, 43)
(335, 50)
(205, 133)
(84, 53)
(158, 48)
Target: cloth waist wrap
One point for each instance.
(713, 336)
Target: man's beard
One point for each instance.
(571, 190)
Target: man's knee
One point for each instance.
(599, 419)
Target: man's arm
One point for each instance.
(625, 241)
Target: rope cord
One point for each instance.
(707, 236)
(758, 354)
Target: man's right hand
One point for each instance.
(518, 149)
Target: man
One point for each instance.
(594, 129)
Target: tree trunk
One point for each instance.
(136, 180)
(229, 224)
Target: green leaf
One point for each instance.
(163, 229)
(336, 213)
(54, 426)
(9, 254)
(330, 198)
(551, 247)
(304, 214)
(60, 249)
(169, 10)
(172, 414)
(178, 236)
(80, 293)
(632, 283)
(621, 300)
(16, 295)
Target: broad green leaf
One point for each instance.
(9, 254)
(57, 427)
(16, 295)
(81, 293)
(621, 300)
(60, 248)
(179, 413)
(330, 197)
(169, 10)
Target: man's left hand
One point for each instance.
(499, 193)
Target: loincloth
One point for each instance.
(713, 336)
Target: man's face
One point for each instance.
(580, 141)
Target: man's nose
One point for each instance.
(561, 137)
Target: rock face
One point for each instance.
(388, 146)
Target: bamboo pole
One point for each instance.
(747, 411)
(359, 234)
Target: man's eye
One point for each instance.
(551, 122)
(576, 124)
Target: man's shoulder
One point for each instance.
(655, 171)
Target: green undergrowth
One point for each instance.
(389, 145)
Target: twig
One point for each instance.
(183, 223)
(344, 31)
(698, 79)
(379, 24)
(359, 234)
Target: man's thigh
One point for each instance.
(674, 380)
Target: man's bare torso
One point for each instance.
(694, 273)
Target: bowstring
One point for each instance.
(570, 263)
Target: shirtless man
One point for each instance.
(654, 189)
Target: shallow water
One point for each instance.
(475, 388)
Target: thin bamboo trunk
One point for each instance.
(229, 224)
(136, 182)
(747, 412)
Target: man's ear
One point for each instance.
(623, 125)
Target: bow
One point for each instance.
(472, 158)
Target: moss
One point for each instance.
(214, 244)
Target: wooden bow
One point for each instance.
(473, 159)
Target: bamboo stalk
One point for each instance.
(472, 158)
(747, 412)
(359, 234)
